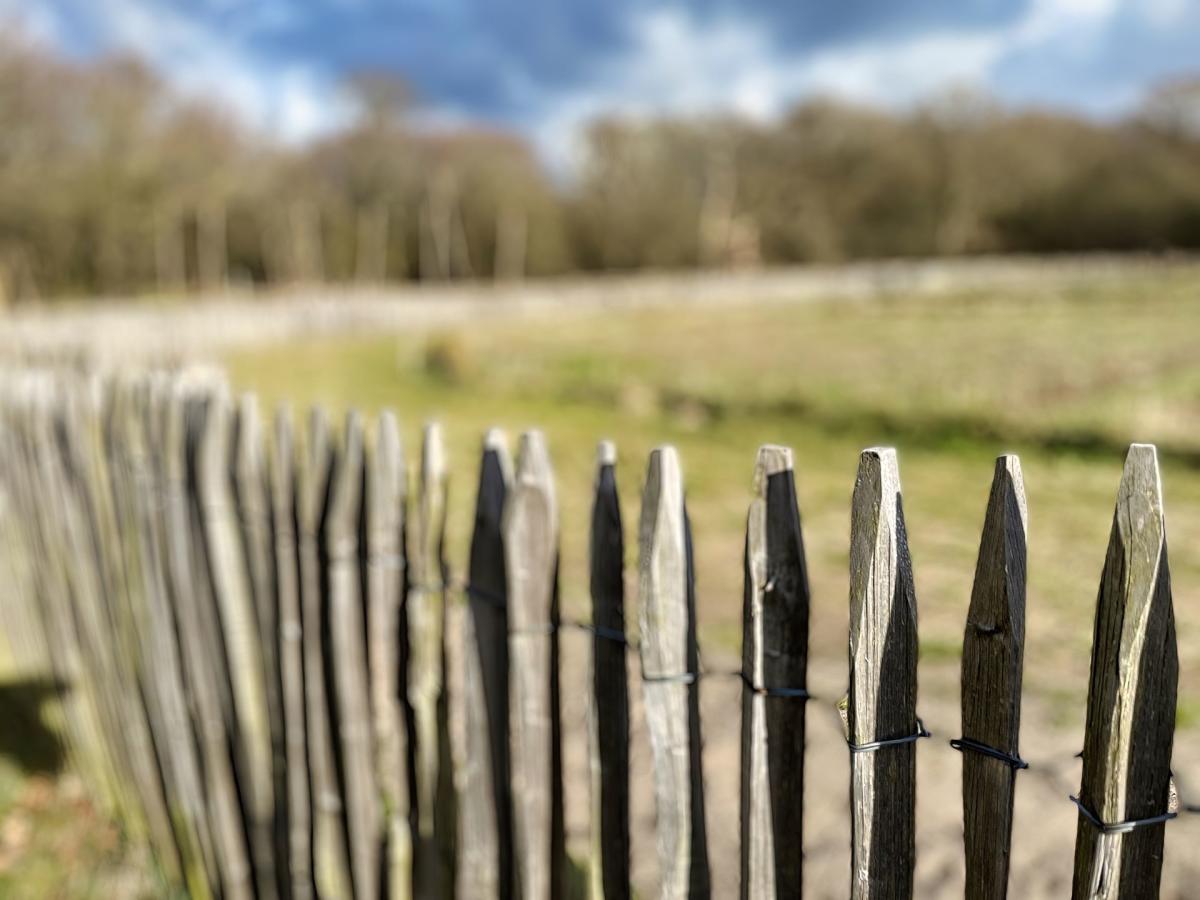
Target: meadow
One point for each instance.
(1066, 376)
(1066, 373)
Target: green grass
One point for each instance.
(1066, 377)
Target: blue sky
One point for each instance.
(545, 66)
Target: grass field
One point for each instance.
(1066, 376)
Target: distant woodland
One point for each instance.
(112, 184)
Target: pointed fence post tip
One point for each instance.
(608, 719)
(670, 661)
(774, 668)
(993, 652)
(881, 704)
(487, 849)
(530, 531)
(1125, 793)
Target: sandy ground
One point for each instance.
(1043, 835)
(116, 330)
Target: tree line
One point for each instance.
(112, 183)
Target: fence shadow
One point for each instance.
(25, 738)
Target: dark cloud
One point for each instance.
(495, 58)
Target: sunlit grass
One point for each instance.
(1066, 377)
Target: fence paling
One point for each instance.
(609, 708)
(670, 664)
(291, 658)
(387, 510)
(204, 662)
(251, 498)
(143, 478)
(530, 531)
(1131, 699)
(487, 857)
(347, 689)
(240, 634)
(167, 582)
(774, 668)
(434, 849)
(993, 649)
(331, 865)
(883, 685)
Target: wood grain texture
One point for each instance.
(143, 490)
(346, 682)
(993, 654)
(608, 746)
(666, 592)
(1131, 696)
(774, 659)
(487, 857)
(252, 502)
(331, 864)
(434, 837)
(530, 531)
(882, 702)
(126, 525)
(387, 507)
(203, 654)
(240, 632)
(290, 644)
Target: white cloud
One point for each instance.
(291, 102)
(1166, 14)
(679, 62)
(685, 65)
(38, 22)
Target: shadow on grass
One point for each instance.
(25, 738)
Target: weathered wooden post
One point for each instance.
(331, 864)
(609, 709)
(530, 532)
(191, 589)
(239, 625)
(666, 590)
(1125, 797)
(881, 713)
(993, 650)
(346, 667)
(290, 643)
(774, 673)
(251, 496)
(387, 498)
(487, 865)
(125, 523)
(435, 823)
(138, 497)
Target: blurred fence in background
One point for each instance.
(249, 628)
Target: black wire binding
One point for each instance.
(871, 746)
(1119, 827)
(679, 678)
(603, 632)
(484, 595)
(1014, 761)
(790, 693)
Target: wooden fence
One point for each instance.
(250, 632)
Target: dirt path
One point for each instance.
(118, 331)
(1044, 833)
